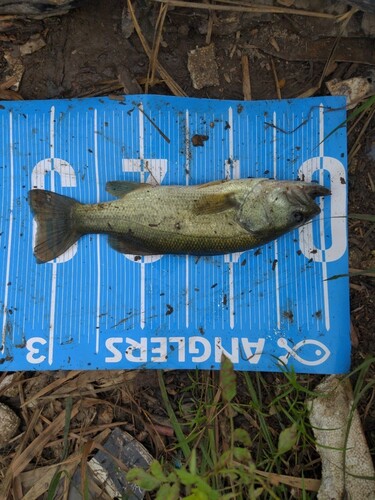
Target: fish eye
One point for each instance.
(298, 217)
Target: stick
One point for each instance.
(277, 86)
(246, 84)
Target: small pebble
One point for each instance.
(9, 423)
(8, 386)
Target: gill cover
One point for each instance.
(277, 206)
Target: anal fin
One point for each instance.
(132, 247)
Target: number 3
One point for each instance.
(35, 350)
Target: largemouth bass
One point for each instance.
(209, 219)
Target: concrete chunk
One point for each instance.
(203, 67)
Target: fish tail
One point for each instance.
(56, 231)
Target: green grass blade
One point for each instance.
(228, 379)
(172, 416)
(367, 217)
(357, 111)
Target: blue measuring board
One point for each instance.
(284, 305)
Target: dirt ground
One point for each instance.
(93, 51)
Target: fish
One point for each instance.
(215, 218)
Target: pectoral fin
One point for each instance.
(214, 203)
(122, 188)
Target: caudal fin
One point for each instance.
(55, 225)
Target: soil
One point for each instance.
(93, 51)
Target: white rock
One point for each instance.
(8, 386)
(347, 468)
(354, 89)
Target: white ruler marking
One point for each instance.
(143, 270)
(97, 180)
(51, 335)
(10, 231)
(187, 176)
(231, 171)
(321, 220)
(275, 244)
(316, 167)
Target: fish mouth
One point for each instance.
(314, 190)
(304, 194)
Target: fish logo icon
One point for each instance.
(321, 352)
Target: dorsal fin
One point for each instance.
(122, 188)
(214, 203)
(212, 183)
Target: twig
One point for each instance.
(172, 85)
(277, 86)
(6, 84)
(356, 122)
(166, 138)
(21, 460)
(210, 24)
(242, 7)
(308, 93)
(371, 182)
(294, 482)
(356, 144)
(361, 272)
(156, 46)
(246, 84)
(345, 20)
(51, 387)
